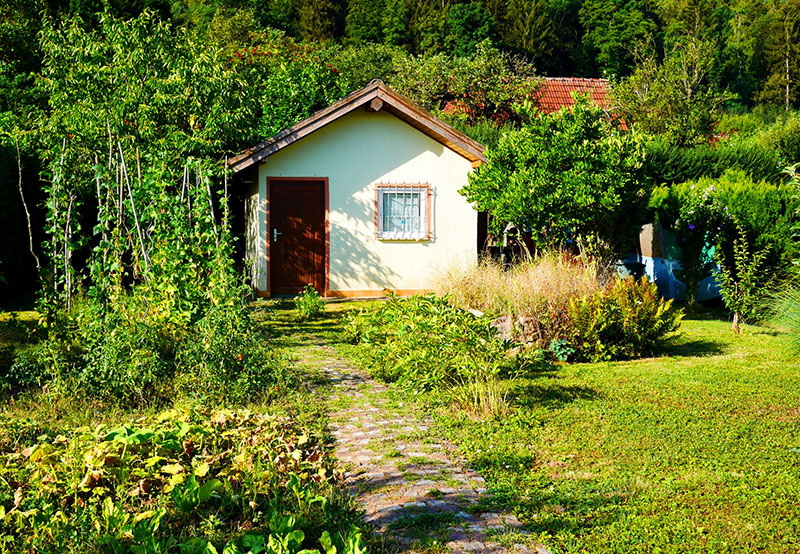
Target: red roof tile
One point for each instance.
(555, 92)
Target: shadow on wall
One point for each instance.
(355, 261)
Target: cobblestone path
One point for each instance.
(412, 487)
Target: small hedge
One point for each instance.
(183, 481)
(668, 164)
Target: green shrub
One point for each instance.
(224, 358)
(783, 137)
(668, 164)
(115, 356)
(108, 356)
(425, 343)
(745, 125)
(309, 303)
(181, 481)
(701, 225)
(766, 211)
(131, 363)
(628, 319)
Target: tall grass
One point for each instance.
(785, 310)
(544, 285)
(577, 309)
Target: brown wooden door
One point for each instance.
(296, 235)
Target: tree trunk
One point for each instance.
(736, 329)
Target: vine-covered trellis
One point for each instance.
(140, 115)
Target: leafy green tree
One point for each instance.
(528, 27)
(673, 99)
(739, 62)
(782, 50)
(488, 84)
(566, 54)
(320, 19)
(395, 23)
(357, 65)
(232, 30)
(277, 14)
(612, 27)
(426, 24)
(468, 25)
(364, 21)
(567, 178)
(742, 279)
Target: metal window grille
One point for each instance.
(403, 212)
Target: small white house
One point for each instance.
(359, 198)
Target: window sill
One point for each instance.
(422, 238)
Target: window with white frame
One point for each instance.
(403, 212)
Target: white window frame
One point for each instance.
(425, 201)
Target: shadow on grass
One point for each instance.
(282, 324)
(551, 396)
(697, 348)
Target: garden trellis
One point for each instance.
(149, 225)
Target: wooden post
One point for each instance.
(133, 209)
(25, 206)
(68, 253)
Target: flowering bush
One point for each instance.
(309, 303)
(703, 219)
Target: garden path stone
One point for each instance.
(412, 490)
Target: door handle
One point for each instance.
(275, 234)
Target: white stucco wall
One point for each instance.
(355, 153)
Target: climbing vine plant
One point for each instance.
(140, 117)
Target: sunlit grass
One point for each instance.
(691, 451)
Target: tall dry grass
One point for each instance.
(538, 291)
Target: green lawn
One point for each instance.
(692, 451)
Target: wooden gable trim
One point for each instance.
(388, 100)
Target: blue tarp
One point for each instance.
(664, 273)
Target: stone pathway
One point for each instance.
(413, 488)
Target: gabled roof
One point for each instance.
(374, 97)
(555, 92)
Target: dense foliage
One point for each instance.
(121, 357)
(424, 343)
(190, 481)
(767, 212)
(569, 177)
(669, 164)
(752, 45)
(628, 319)
(673, 99)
